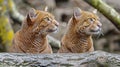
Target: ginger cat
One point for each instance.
(31, 38)
(81, 27)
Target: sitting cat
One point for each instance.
(81, 27)
(31, 38)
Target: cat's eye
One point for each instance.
(91, 20)
(47, 19)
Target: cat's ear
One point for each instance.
(77, 13)
(31, 16)
(32, 13)
(95, 11)
(46, 8)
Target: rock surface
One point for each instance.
(59, 60)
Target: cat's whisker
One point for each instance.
(102, 33)
(98, 36)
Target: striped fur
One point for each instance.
(31, 38)
(78, 39)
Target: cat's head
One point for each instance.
(86, 22)
(40, 22)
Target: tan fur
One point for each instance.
(31, 38)
(78, 39)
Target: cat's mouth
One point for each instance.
(95, 31)
(52, 30)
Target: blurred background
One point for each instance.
(12, 12)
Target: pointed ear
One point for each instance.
(31, 16)
(32, 13)
(46, 8)
(77, 13)
(95, 11)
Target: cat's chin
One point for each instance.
(56, 31)
(52, 30)
(93, 33)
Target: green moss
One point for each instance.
(6, 32)
(1, 1)
(2, 7)
(11, 5)
(95, 2)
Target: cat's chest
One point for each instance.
(80, 45)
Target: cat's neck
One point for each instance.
(77, 36)
(31, 40)
(78, 43)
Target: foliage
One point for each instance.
(6, 32)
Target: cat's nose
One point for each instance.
(99, 24)
(56, 23)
